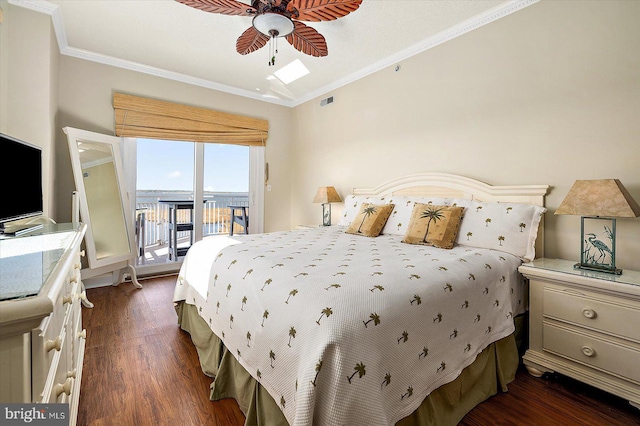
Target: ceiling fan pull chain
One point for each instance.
(273, 50)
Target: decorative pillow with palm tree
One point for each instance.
(398, 222)
(352, 204)
(370, 219)
(434, 225)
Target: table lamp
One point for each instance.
(598, 201)
(326, 195)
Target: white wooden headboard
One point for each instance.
(454, 186)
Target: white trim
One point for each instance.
(198, 191)
(170, 75)
(464, 27)
(256, 189)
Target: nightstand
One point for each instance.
(585, 325)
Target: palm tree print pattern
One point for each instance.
(359, 370)
(260, 284)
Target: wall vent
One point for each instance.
(327, 101)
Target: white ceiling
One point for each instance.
(171, 40)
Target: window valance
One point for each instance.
(150, 118)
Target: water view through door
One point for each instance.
(164, 193)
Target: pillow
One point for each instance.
(398, 222)
(508, 227)
(434, 225)
(352, 205)
(370, 219)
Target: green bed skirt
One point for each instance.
(492, 370)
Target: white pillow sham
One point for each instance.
(508, 227)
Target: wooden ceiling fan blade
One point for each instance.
(323, 10)
(250, 41)
(308, 40)
(225, 7)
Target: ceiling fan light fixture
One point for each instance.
(273, 24)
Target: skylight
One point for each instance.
(291, 72)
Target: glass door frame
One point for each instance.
(256, 194)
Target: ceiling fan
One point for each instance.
(273, 19)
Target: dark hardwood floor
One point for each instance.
(141, 369)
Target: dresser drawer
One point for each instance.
(49, 339)
(618, 359)
(614, 316)
(74, 271)
(46, 342)
(59, 382)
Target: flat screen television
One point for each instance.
(21, 180)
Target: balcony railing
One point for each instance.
(152, 217)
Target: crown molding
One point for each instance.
(464, 27)
(61, 37)
(163, 73)
(456, 31)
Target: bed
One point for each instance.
(327, 326)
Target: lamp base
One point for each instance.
(326, 214)
(616, 271)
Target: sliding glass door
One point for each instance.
(226, 184)
(166, 178)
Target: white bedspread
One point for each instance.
(348, 330)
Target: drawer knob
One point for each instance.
(588, 351)
(82, 334)
(72, 373)
(67, 299)
(53, 344)
(81, 253)
(589, 313)
(65, 387)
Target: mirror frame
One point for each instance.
(73, 137)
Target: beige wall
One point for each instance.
(85, 102)
(29, 57)
(547, 95)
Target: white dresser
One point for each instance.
(585, 325)
(41, 336)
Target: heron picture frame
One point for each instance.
(598, 244)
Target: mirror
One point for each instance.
(104, 205)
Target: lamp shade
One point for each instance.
(327, 194)
(603, 197)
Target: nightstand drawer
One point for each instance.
(604, 355)
(614, 316)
